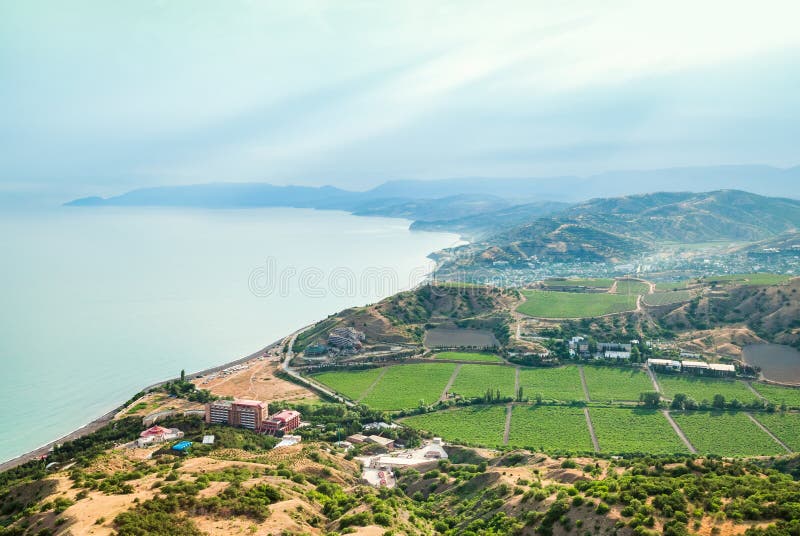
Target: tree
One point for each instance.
(519, 394)
(183, 375)
(651, 399)
(679, 401)
(718, 402)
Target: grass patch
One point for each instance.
(474, 425)
(549, 428)
(562, 383)
(608, 384)
(671, 285)
(405, 386)
(645, 431)
(350, 383)
(726, 434)
(667, 298)
(544, 304)
(473, 381)
(579, 282)
(701, 388)
(749, 279)
(779, 395)
(632, 287)
(785, 426)
(469, 356)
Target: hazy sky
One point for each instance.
(98, 97)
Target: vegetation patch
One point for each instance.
(546, 304)
(726, 434)
(749, 279)
(667, 298)
(629, 286)
(473, 381)
(607, 384)
(625, 431)
(785, 426)
(588, 283)
(779, 395)
(701, 389)
(350, 383)
(409, 386)
(474, 425)
(468, 356)
(549, 429)
(559, 384)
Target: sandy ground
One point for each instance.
(258, 382)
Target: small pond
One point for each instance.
(778, 363)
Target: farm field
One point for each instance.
(473, 380)
(785, 426)
(403, 386)
(546, 304)
(561, 383)
(725, 434)
(779, 395)
(549, 428)
(351, 383)
(588, 283)
(667, 298)
(701, 388)
(671, 285)
(632, 287)
(473, 425)
(621, 431)
(749, 279)
(469, 356)
(614, 384)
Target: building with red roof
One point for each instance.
(284, 421)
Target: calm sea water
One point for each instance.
(97, 303)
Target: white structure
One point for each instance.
(694, 366)
(722, 370)
(157, 434)
(664, 363)
(611, 354)
(288, 441)
(208, 440)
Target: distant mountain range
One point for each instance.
(447, 200)
(613, 229)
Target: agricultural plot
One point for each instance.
(701, 388)
(632, 287)
(473, 381)
(779, 395)
(645, 431)
(546, 304)
(667, 298)
(562, 383)
(608, 384)
(473, 425)
(549, 429)
(588, 283)
(785, 426)
(671, 285)
(749, 279)
(351, 383)
(468, 356)
(405, 386)
(726, 434)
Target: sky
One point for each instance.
(101, 97)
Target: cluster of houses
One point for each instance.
(692, 367)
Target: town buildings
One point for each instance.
(249, 414)
(157, 434)
(283, 421)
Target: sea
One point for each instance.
(97, 303)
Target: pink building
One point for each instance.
(283, 421)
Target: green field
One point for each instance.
(545, 304)
(667, 298)
(350, 383)
(549, 428)
(473, 380)
(588, 283)
(646, 431)
(701, 388)
(468, 356)
(404, 386)
(785, 426)
(632, 287)
(474, 425)
(614, 384)
(562, 383)
(671, 285)
(726, 434)
(779, 395)
(749, 279)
